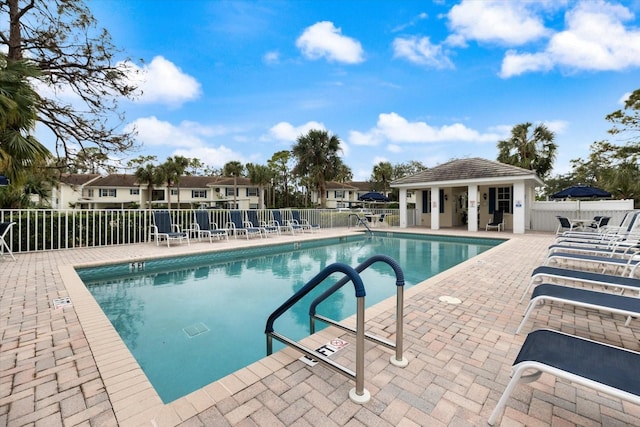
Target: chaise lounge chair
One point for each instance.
(5, 227)
(581, 297)
(163, 228)
(252, 218)
(303, 223)
(203, 227)
(627, 282)
(602, 367)
(497, 221)
(628, 261)
(277, 221)
(237, 226)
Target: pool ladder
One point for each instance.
(362, 221)
(358, 394)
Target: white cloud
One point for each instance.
(396, 129)
(508, 23)
(154, 132)
(557, 126)
(161, 81)
(272, 57)
(324, 40)
(215, 157)
(394, 148)
(188, 138)
(285, 131)
(421, 51)
(595, 39)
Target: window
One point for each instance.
(230, 191)
(198, 194)
(134, 191)
(252, 192)
(503, 199)
(174, 191)
(107, 192)
(157, 195)
(339, 194)
(90, 192)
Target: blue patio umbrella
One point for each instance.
(4, 180)
(373, 197)
(581, 192)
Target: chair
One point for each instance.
(277, 221)
(303, 223)
(581, 297)
(564, 224)
(497, 221)
(203, 227)
(237, 225)
(381, 220)
(252, 217)
(163, 228)
(601, 367)
(626, 282)
(5, 227)
(599, 221)
(630, 260)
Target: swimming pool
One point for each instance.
(191, 320)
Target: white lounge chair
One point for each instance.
(5, 227)
(581, 297)
(601, 367)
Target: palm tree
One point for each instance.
(174, 167)
(317, 155)
(535, 151)
(19, 150)
(233, 168)
(259, 175)
(382, 176)
(150, 175)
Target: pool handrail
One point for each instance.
(399, 359)
(362, 221)
(358, 394)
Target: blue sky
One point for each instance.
(394, 80)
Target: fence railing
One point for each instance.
(48, 229)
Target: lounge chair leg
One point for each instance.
(515, 379)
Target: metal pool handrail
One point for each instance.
(359, 394)
(362, 221)
(399, 359)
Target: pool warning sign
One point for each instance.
(327, 350)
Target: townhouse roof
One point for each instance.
(115, 180)
(77, 178)
(467, 170)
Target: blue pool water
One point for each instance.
(192, 320)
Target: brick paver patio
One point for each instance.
(68, 367)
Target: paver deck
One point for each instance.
(68, 367)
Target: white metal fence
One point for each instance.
(47, 229)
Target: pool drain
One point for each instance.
(196, 329)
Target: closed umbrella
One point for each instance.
(581, 192)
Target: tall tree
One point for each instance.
(259, 175)
(317, 156)
(534, 150)
(381, 176)
(235, 169)
(19, 149)
(62, 39)
(150, 175)
(174, 167)
(279, 164)
(412, 167)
